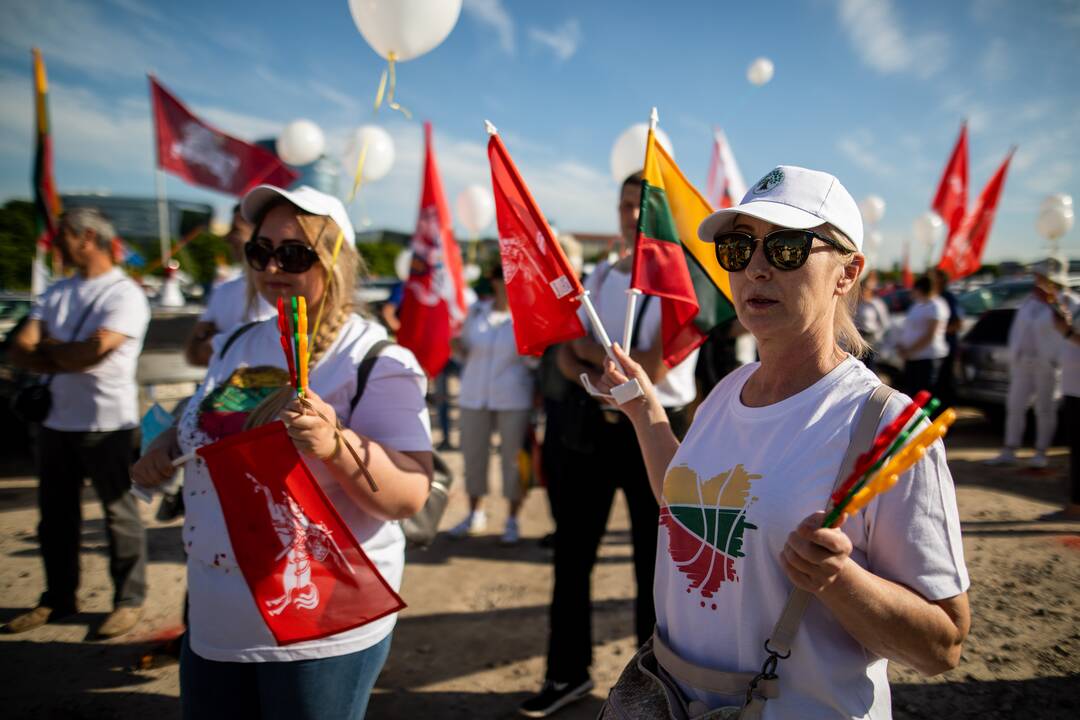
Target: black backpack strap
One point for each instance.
(236, 335)
(363, 370)
(645, 300)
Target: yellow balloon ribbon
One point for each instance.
(387, 84)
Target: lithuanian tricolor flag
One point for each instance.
(46, 199)
(671, 262)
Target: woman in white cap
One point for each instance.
(231, 664)
(741, 496)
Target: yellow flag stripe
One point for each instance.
(688, 208)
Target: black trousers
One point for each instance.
(581, 496)
(921, 375)
(1072, 437)
(66, 458)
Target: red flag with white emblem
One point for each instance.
(963, 252)
(307, 574)
(950, 201)
(433, 307)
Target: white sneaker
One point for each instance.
(473, 524)
(1005, 457)
(1038, 460)
(511, 535)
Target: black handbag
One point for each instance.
(33, 401)
(420, 529)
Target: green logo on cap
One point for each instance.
(770, 181)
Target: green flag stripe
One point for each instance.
(656, 220)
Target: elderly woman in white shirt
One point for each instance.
(496, 394)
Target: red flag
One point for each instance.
(950, 201)
(724, 186)
(203, 155)
(963, 252)
(433, 307)
(906, 278)
(307, 574)
(541, 288)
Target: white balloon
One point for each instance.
(405, 28)
(472, 272)
(873, 209)
(301, 142)
(380, 152)
(872, 241)
(760, 71)
(402, 263)
(475, 208)
(1055, 221)
(628, 152)
(1056, 200)
(929, 228)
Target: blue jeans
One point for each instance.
(327, 688)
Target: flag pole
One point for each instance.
(163, 216)
(633, 293)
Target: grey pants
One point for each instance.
(476, 428)
(66, 459)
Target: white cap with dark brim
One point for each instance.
(304, 197)
(797, 198)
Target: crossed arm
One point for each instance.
(33, 349)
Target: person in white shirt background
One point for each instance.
(1035, 348)
(1067, 322)
(229, 305)
(231, 666)
(871, 315)
(86, 331)
(922, 345)
(496, 394)
(741, 496)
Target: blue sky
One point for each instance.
(872, 91)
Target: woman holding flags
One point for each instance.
(369, 454)
(741, 496)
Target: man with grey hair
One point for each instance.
(85, 333)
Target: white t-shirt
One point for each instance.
(679, 387)
(494, 377)
(225, 624)
(228, 306)
(1070, 352)
(749, 476)
(104, 397)
(918, 319)
(1032, 333)
(872, 319)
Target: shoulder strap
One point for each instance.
(89, 307)
(236, 335)
(363, 370)
(639, 319)
(866, 425)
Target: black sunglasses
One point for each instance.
(784, 249)
(290, 257)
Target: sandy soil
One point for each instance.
(472, 642)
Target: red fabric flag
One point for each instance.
(950, 201)
(906, 278)
(724, 186)
(203, 155)
(433, 307)
(307, 574)
(963, 252)
(541, 287)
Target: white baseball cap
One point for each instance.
(304, 197)
(794, 197)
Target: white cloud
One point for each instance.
(858, 147)
(965, 106)
(493, 14)
(996, 62)
(563, 41)
(884, 45)
(346, 102)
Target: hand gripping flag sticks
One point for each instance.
(879, 469)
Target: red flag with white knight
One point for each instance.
(950, 200)
(307, 574)
(963, 252)
(724, 186)
(433, 306)
(541, 288)
(203, 155)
